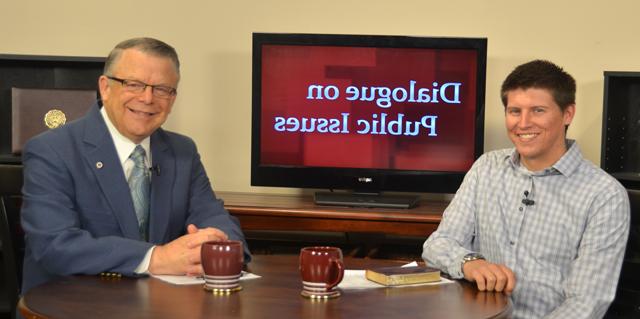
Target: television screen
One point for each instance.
(368, 113)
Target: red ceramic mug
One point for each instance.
(222, 263)
(321, 269)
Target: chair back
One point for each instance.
(631, 266)
(11, 235)
(628, 295)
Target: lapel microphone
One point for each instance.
(155, 169)
(526, 201)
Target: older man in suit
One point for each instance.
(114, 192)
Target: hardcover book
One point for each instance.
(396, 275)
(34, 111)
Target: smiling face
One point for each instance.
(536, 126)
(137, 115)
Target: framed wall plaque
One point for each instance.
(40, 72)
(34, 111)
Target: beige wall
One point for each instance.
(213, 39)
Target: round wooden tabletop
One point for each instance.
(275, 295)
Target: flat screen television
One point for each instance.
(366, 113)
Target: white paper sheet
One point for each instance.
(191, 280)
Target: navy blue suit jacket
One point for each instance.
(78, 214)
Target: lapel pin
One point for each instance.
(99, 165)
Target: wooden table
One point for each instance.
(292, 212)
(275, 295)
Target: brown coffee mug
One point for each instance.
(222, 263)
(321, 269)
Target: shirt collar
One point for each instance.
(566, 165)
(570, 161)
(124, 146)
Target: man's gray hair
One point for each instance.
(147, 45)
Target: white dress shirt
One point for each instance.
(124, 148)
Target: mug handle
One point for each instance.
(340, 265)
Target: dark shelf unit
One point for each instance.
(38, 71)
(620, 157)
(620, 154)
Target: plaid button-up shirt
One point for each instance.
(565, 247)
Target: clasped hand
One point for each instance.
(182, 255)
(489, 276)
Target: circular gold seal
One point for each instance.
(54, 118)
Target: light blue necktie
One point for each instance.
(139, 185)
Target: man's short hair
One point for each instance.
(541, 74)
(150, 46)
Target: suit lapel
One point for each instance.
(101, 156)
(164, 163)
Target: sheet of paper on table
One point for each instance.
(355, 279)
(191, 280)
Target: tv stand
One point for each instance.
(279, 212)
(365, 200)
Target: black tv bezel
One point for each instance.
(351, 178)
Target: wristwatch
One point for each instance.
(471, 257)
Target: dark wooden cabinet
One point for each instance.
(285, 223)
(39, 72)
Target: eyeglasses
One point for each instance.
(138, 87)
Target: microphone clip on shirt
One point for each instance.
(526, 201)
(155, 169)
